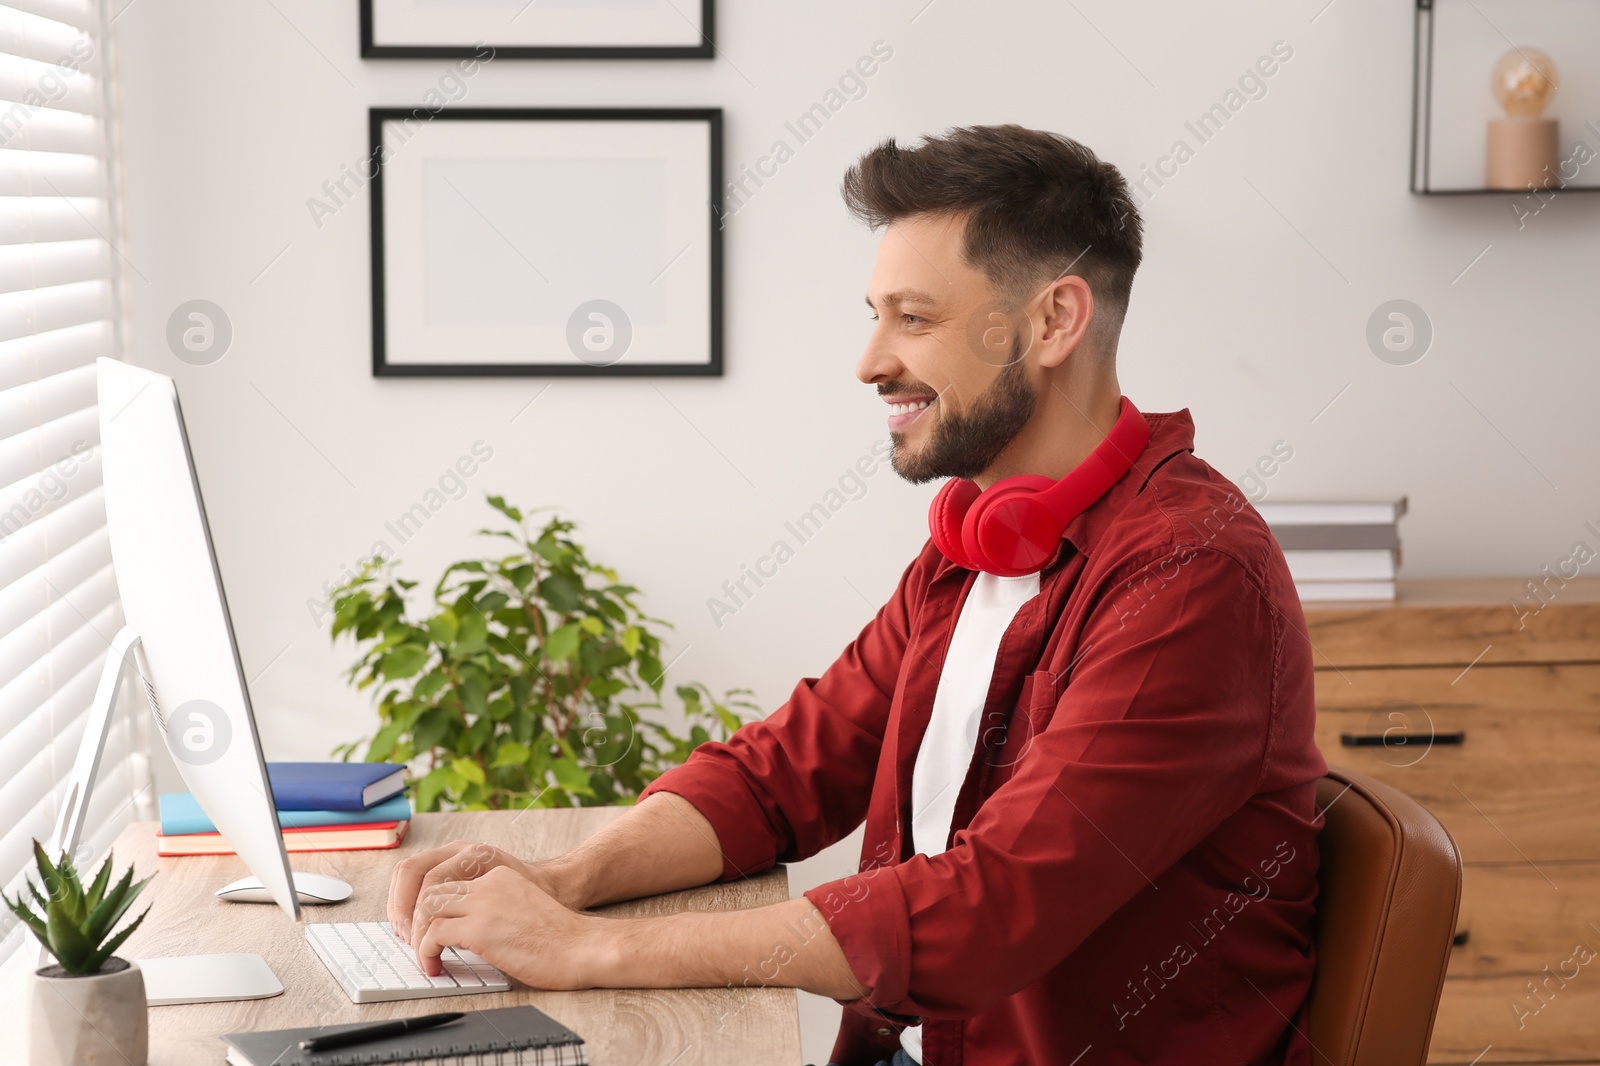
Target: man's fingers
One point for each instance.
(406, 881)
(441, 933)
(444, 900)
(459, 867)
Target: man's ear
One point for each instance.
(1066, 309)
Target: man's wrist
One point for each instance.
(612, 946)
(563, 880)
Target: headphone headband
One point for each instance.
(1093, 478)
(1016, 525)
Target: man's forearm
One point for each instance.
(661, 845)
(786, 944)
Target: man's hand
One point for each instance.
(459, 860)
(516, 926)
(521, 931)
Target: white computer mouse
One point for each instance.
(311, 888)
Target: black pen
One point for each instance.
(377, 1031)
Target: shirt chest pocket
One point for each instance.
(1005, 744)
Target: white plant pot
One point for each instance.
(98, 1019)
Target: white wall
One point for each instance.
(1265, 255)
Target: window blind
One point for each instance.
(59, 311)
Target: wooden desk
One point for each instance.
(655, 1027)
(1512, 676)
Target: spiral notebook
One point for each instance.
(505, 1036)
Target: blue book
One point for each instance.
(333, 786)
(181, 815)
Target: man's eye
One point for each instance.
(913, 318)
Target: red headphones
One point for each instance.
(1015, 526)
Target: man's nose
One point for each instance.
(878, 363)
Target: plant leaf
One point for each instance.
(433, 725)
(499, 504)
(404, 661)
(562, 644)
(570, 776)
(67, 943)
(98, 958)
(474, 633)
(429, 787)
(111, 909)
(25, 914)
(511, 753)
(443, 626)
(563, 592)
(473, 698)
(97, 890)
(469, 770)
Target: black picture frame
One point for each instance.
(706, 49)
(713, 367)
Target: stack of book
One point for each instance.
(332, 806)
(1338, 550)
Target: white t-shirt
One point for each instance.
(952, 736)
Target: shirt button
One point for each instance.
(884, 1031)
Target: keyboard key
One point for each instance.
(463, 974)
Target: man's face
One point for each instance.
(946, 351)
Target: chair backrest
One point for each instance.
(1389, 889)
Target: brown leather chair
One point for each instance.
(1389, 888)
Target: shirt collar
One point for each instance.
(1171, 433)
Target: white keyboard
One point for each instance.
(373, 965)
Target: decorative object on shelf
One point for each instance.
(89, 1006)
(523, 687)
(1523, 147)
(528, 241)
(640, 29)
(1536, 134)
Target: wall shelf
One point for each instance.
(1457, 43)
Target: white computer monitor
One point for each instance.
(179, 637)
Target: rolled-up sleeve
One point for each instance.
(783, 788)
(1160, 735)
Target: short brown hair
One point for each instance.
(1035, 203)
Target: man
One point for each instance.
(1082, 747)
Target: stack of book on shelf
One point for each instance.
(1338, 550)
(322, 806)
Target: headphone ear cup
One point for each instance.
(945, 517)
(1009, 531)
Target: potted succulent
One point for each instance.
(89, 1006)
(523, 683)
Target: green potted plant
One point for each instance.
(88, 1006)
(533, 680)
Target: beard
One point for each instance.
(966, 444)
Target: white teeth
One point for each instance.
(907, 408)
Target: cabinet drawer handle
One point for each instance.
(1400, 740)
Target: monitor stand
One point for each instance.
(177, 979)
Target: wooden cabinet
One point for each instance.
(1481, 698)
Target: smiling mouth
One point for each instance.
(902, 415)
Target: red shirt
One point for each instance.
(1132, 865)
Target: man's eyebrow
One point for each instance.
(916, 296)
